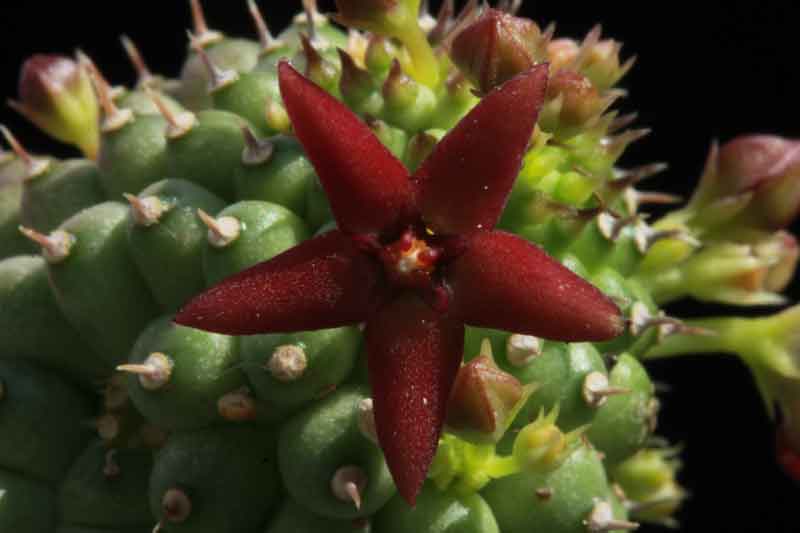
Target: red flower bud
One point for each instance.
(497, 47)
(484, 401)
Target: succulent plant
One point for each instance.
(381, 271)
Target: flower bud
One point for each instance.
(497, 47)
(732, 273)
(484, 401)
(56, 95)
(766, 166)
(561, 53)
(541, 446)
(649, 482)
(572, 102)
(600, 61)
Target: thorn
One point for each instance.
(154, 372)
(143, 73)
(203, 35)
(3, 391)
(443, 19)
(601, 519)
(218, 78)
(287, 363)
(366, 419)
(616, 144)
(55, 247)
(611, 226)
(646, 237)
(146, 211)
(256, 151)
(221, 231)
(633, 198)
(589, 42)
(310, 9)
(626, 67)
(622, 122)
(114, 118)
(111, 468)
(157, 528)
(596, 389)
(521, 350)
(237, 406)
(34, 166)
(178, 124)
(348, 483)
(544, 493)
(633, 176)
(268, 42)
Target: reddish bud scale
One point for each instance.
(495, 48)
(482, 397)
(43, 76)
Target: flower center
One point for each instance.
(410, 261)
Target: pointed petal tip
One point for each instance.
(465, 182)
(413, 358)
(368, 187)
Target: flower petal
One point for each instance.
(368, 188)
(465, 182)
(413, 354)
(504, 282)
(321, 283)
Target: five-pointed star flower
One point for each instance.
(415, 258)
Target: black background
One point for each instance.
(706, 70)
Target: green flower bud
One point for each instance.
(57, 96)
(648, 480)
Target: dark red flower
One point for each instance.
(415, 257)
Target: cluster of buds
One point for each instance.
(747, 196)
(498, 46)
(730, 272)
(648, 483)
(770, 347)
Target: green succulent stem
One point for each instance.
(425, 66)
